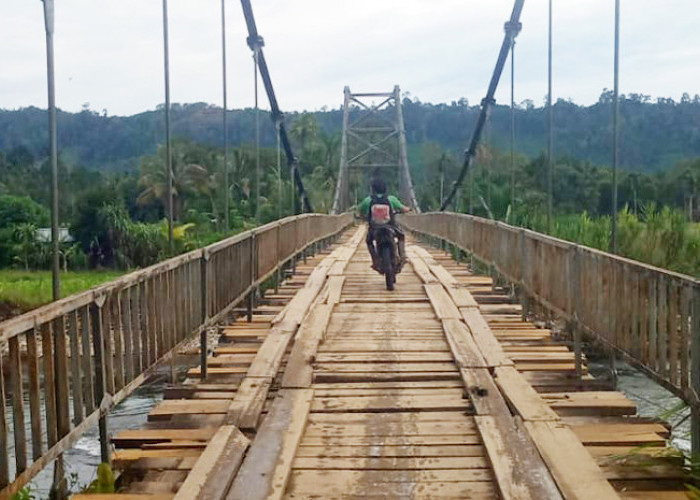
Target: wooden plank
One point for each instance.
(560, 449)
(267, 467)
(390, 403)
(123, 496)
(125, 309)
(34, 394)
(335, 288)
(405, 424)
(117, 335)
(418, 451)
(390, 463)
(4, 435)
(76, 376)
(139, 333)
(375, 485)
(246, 407)
(20, 433)
(440, 367)
(520, 475)
(137, 437)
(520, 394)
(299, 371)
(269, 356)
(122, 458)
(419, 267)
(216, 467)
(167, 408)
(442, 303)
(385, 357)
(47, 357)
(464, 350)
(519, 470)
(489, 346)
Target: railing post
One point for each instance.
(524, 300)
(253, 262)
(574, 293)
(204, 299)
(100, 382)
(695, 373)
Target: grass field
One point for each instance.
(29, 289)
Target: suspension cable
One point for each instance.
(512, 28)
(512, 128)
(257, 135)
(254, 41)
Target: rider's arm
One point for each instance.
(397, 206)
(363, 207)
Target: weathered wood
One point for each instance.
(125, 309)
(116, 333)
(76, 375)
(265, 472)
(299, 372)
(4, 455)
(216, 466)
(20, 434)
(528, 404)
(442, 303)
(560, 449)
(137, 331)
(519, 475)
(34, 394)
(47, 357)
(246, 407)
(464, 350)
(489, 346)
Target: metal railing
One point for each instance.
(74, 359)
(649, 315)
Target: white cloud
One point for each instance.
(109, 53)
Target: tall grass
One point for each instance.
(660, 237)
(29, 289)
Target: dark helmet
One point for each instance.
(378, 186)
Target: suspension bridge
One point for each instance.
(313, 381)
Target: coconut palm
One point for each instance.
(188, 178)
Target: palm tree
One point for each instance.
(187, 177)
(26, 243)
(304, 130)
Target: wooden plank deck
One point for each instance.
(436, 390)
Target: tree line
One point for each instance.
(656, 134)
(119, 219)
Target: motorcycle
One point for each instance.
(385, 243)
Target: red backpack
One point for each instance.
(380, 212)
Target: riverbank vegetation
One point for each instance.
(116, 219)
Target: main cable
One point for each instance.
(512, 28)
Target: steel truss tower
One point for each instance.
(374, 141)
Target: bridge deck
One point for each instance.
(436, 390)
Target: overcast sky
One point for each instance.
(109, 54)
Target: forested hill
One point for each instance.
(655, 134)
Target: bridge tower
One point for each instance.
(373, 143)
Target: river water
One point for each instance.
(82, 460)
(652, 400)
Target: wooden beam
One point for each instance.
(216, 466)
(266, 469)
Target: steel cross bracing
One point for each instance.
(374, 139)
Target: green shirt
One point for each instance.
(363, 208)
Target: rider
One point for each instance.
(366, 209)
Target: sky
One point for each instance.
(109, 54)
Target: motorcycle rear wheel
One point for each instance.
(388, 265)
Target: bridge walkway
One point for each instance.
(439, 389)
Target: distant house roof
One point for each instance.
(43, 234)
